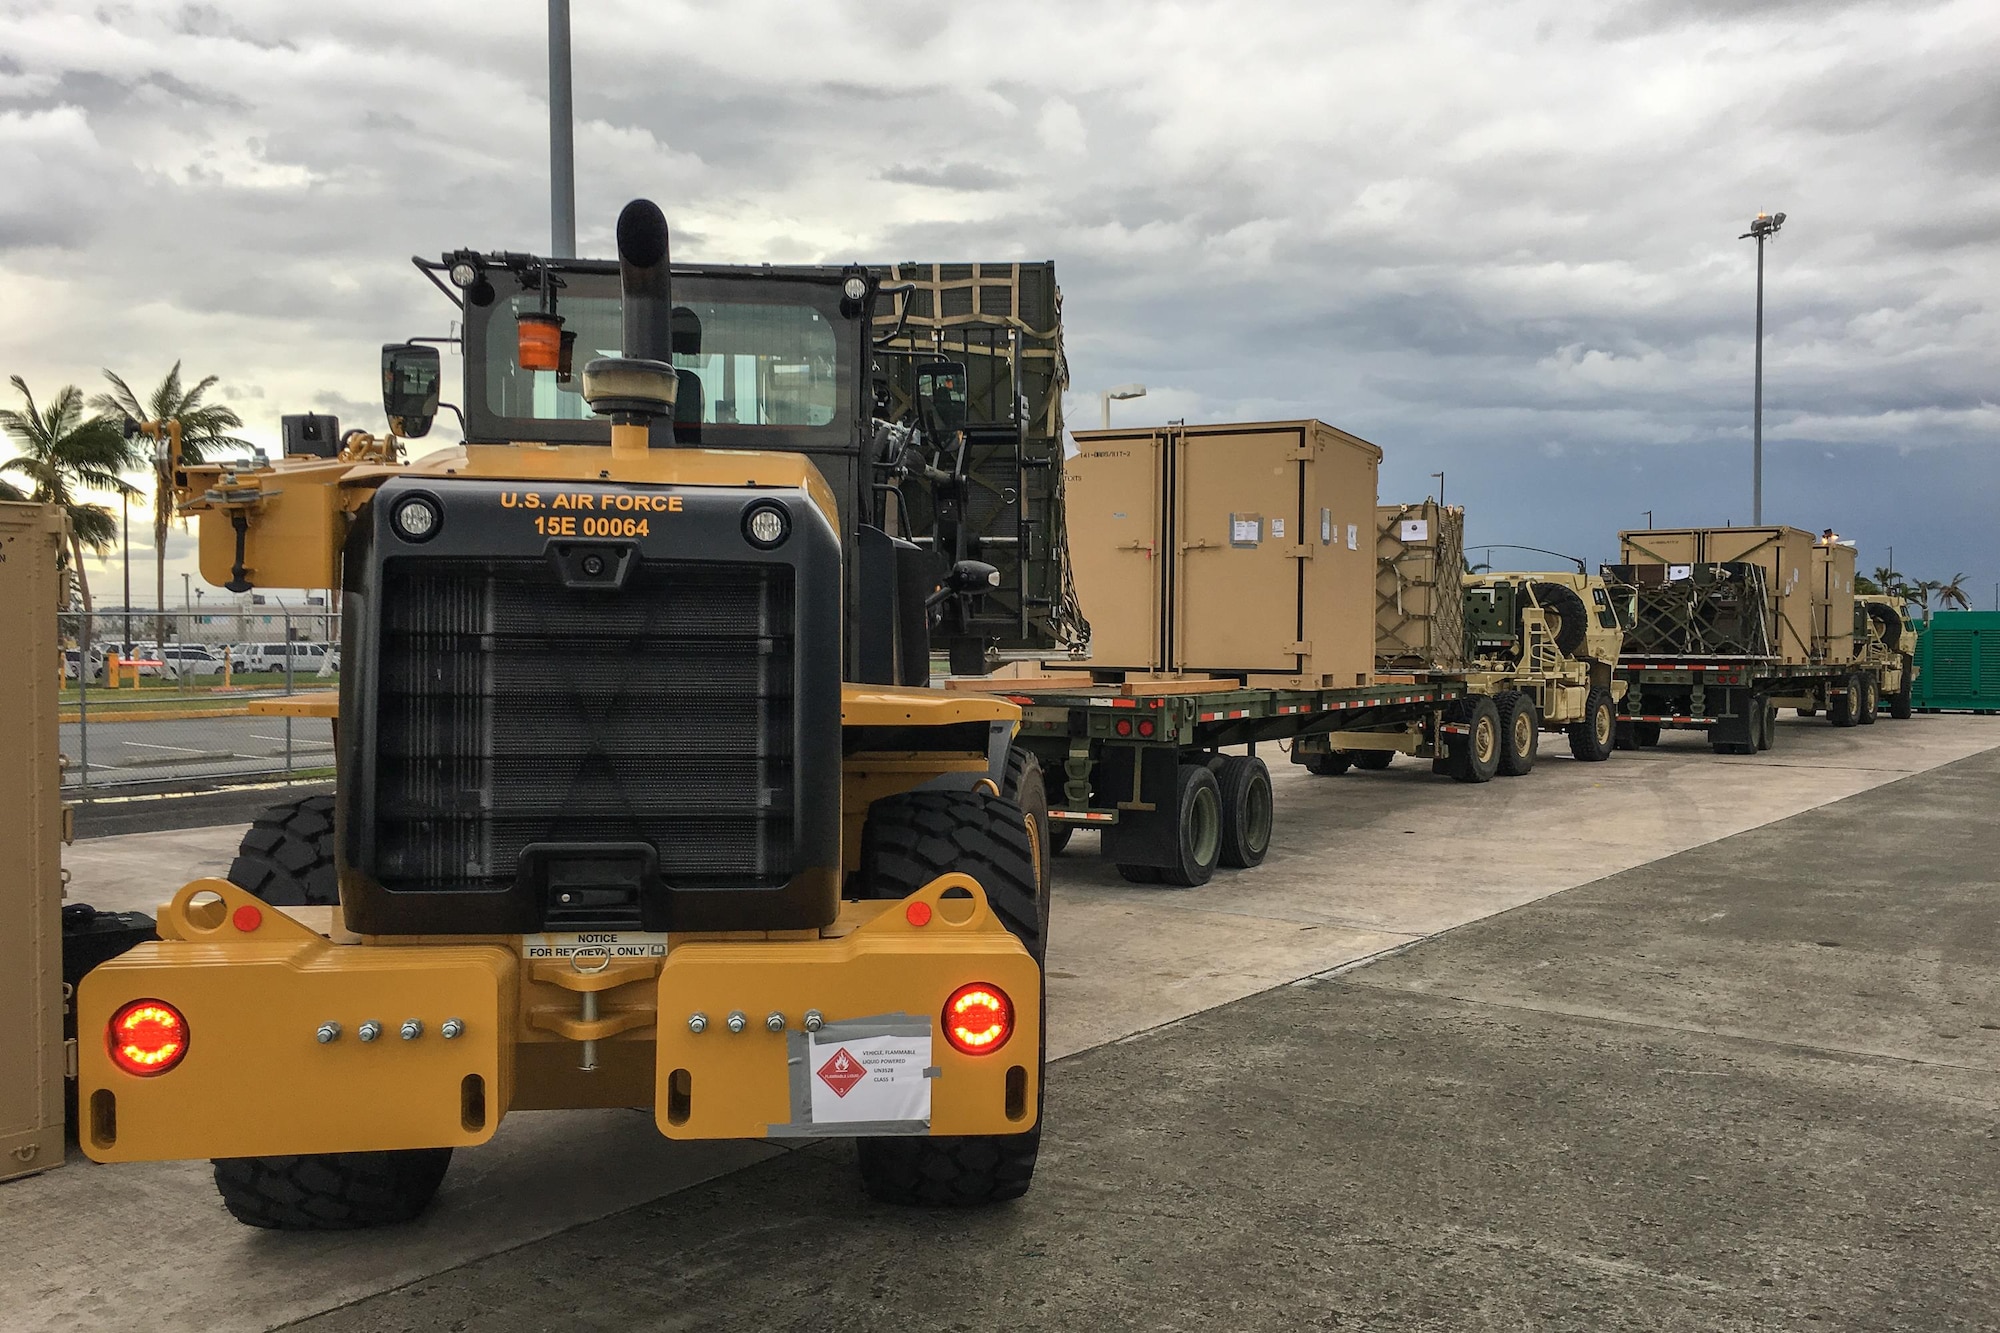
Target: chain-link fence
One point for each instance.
(166, 697)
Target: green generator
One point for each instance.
(1958, 663)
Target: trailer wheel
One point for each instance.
(1591, 738)
(1899, 702)
(1843, 710)
(1373, 760)
(1025, 788)
(287, 856)
(1572, 621)
(1767, 724)
(1198, 825)
(908, 841)
(1520, 732)
(1645, 735)
(1871, 701)
(1059, 836)
(1808, 711)
(1474, 755)
(340, 1191)
(1329, 765)
(1245, 786)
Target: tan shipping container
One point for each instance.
(31, 1038)
(1833, 601)
(1785, 554)
(1419, 604)
(1230, 550)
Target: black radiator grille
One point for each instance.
(515, 710)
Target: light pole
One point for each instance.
(125, 507)
(562, 137)
(1122, 392)
(1440, 478)
(1649, 520)
(1762, 228)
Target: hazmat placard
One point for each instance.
(873, 1079)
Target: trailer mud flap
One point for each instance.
(844, 1036)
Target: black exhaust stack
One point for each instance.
(640, 384)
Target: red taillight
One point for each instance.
(1123, 726)
(1146, 727)
(978, 1019)
(147, 1037)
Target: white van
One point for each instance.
(305, 658)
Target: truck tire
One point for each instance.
(1888, 625)
(1198, 824)
(1025, 788)
(1844, 709)
(1473, 755)
(1590, 739)
(341, 1191)
(1808, 711)
(1645, 735)
(1372, 760)
(1767, 724)
(287, 856)
(1899, 702)
(1573, 622)
(1520, 732)
(1059, 836)
(1871, 701)
(1245, 786)
(1330, 765)
(908, 841)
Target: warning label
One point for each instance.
(842, 1072)
(871, 1079)
(612, 944)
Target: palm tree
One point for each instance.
(204, 428)
(63, 452)
(1953, 593)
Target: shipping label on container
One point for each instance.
(1277, 528)
(1415, 530)
(1353, 538)
(1245, 529)
(1326, 527)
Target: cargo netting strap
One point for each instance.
(1718, 610)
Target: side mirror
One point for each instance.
(941, 397)
(966, 576)
(410, 375)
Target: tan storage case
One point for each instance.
(1243, 550)
(31, 1038)
(1419, 603)
(1784, 553)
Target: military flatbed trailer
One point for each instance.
(1142, 760)
(1736, 699)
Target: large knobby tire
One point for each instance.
(1373, 760)
(1474, 754)
(1871, 701)
(1245, 786)
(1330, 764)
(1899, 702)
(1572, 620)
(339, 1191)
(1592, 737)
(1025, 788)
(287, 856)
(908, 841)
(1520, 732)
(1844, 709)
(1888, 625)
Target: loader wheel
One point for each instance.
(1244, 784)
(1330, 765)
(1373, 760)
(1871, 701)
(287, 856)
(908, 841)
(1645, 735)
(1473, 756)
(1591, 738)
(1025, 788)
(339, 1191)
(1572, 621)
(1520, 732)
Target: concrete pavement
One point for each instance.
(1364, 864)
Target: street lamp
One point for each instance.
(1123, 391)
(1762, 228)
(1440, 477)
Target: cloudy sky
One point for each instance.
(1500, 240)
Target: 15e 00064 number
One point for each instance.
(572, 525)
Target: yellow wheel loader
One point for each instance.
(641, 801)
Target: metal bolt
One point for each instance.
(369, 1031)
(328, 1031)
(412, 1028)
(815, 1020)
(737, 1022)
(697, 1023)
(774, 1022)
(450, 1028)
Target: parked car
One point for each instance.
(72, 661)
(185, 660)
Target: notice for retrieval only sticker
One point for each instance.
(612, 944)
